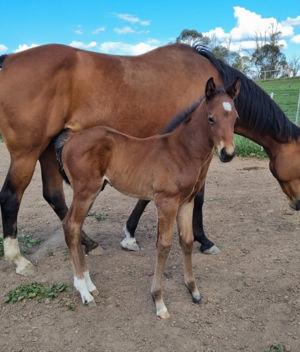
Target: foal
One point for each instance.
(169, 169)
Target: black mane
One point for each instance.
(255, 107)
(2, 58)
(180, 117)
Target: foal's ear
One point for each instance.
(234, 89)
(210, 89)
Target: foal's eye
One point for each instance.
(211, 120)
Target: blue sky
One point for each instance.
(133, 27)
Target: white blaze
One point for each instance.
(227, 106)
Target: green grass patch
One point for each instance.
(286, 93)
(98, 216)
(246, 148)
(35, 290)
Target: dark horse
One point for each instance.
(169, 169)
(49, 88)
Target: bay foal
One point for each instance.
(169, 169)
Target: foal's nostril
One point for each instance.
(297, 205)
(225, 157)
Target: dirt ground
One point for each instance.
(251, 290)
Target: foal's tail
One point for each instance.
(2, 58)
(59, 142)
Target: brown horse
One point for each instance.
(48, 88)
(169, 169)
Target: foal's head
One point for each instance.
(222, 115)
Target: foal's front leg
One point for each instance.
(72, 225)
(166, 210)
(184, 222)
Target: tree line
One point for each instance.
(266, 61)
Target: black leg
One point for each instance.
(199, 234)
(135, 216)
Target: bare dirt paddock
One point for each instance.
(251, 290)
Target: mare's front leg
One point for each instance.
(18, 177)
(129, 242)
(207, 246)
(166, 210)
(54, 194)
(186, 240)
(72, 225)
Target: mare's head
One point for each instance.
(221, 116)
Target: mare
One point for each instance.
(178, 162)
(46, 89)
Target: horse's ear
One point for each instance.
(210, 89)
(234, 89)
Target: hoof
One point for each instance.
(197, 299)
(130, 244)
(95, 293)
(96, 251)
(90, 303)
(164, 315)
(212, 250)
(27, 270)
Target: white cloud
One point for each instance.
(129, 18)
(132, 19)
(249, 26)
(296, 39)
(295, 22)
(79, 30)
(124, 30)
(3, 49)
(23, 47)
(98, 30)
(125, 49)
(81, 45)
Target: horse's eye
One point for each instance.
(211, 120)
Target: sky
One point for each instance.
(134, 27)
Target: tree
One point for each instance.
(295, 65)
(191, 37)
(267, 56)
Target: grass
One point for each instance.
(26, 242)
(35, 290)
(98, 216)
(286, 93)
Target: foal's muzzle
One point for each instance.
(225, 157)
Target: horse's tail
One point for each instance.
(59, 142)
(2, 58)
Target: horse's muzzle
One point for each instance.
(225, 157)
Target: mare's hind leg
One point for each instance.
(129, 242)
(184, 222)
(166, 210)
(54, 194)
(207, 246)
(17, 179)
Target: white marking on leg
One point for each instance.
(227, 106)
(161, 310)
(89, 283)
(81, 286)
(12, 254)
(129, 242)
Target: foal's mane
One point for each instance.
(255, 107)
(181, 117)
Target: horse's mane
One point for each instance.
(181, 117)
(255, 107)
(2, 58)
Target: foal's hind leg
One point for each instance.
(54, 194)
(17, 179)
(129, 242)
(184, 222)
